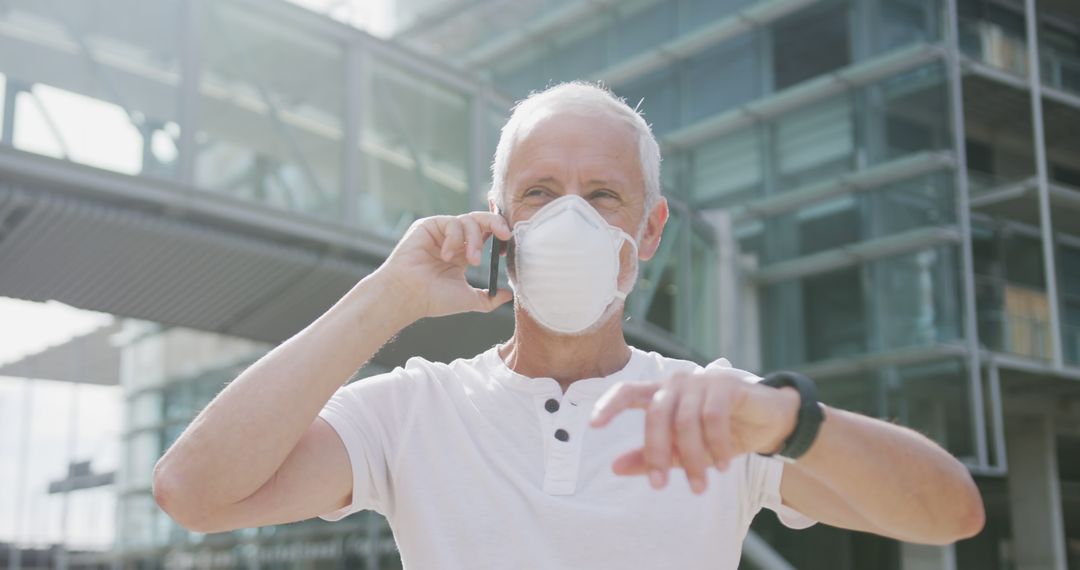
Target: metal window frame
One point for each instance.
(963, 207)
(1042, 176)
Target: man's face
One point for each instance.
(594, 157)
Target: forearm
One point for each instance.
(896, 478)
(246, 432)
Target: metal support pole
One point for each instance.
(999, 417)
(1045, 221)
(963, 214)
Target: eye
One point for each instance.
(603, 193)
(536, 195)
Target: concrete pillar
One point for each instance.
(1038, 530)
(927, 557)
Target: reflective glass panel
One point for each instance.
(87, 86)
(414, 149)
(270, 111)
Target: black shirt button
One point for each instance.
(562, 435)
(551, 405)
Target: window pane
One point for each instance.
(833, 306)
(144, 410)
(909, 112)
(643, 25)
(143, 450)
(903, 22)
(727, 170)
(815, 142)
(933, 399)
(1024, 261)
(415, 152)
(658, 94)
(270, 112)
(721, 78)
(92, 88)
(810, 43)
(917, 299)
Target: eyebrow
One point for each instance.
(592, 182)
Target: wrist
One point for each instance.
(808, 418)
(383, 296)
(787, 408)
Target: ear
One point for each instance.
(492, 207)
(650, 240)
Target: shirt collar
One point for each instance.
(589, 387)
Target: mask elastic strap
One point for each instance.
(633, 244)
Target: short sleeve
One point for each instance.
(718, 363)
(360, 413)
(765, 475)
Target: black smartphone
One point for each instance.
(493, 271)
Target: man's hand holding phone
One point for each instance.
(429, 263)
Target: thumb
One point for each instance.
(486, 304)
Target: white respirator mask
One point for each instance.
(566, 259)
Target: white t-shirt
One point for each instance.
(464, 462)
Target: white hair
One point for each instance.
(583, 98)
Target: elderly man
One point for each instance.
(555, 449)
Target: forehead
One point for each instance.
(577, 141)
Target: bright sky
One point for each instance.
(26, 328)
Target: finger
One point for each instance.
(716, 423)
(453, 236)
(474, 240)
(633, 462)
(486, 304)
(620, 397)
(689, 438)
(493, 223)
(659, 417)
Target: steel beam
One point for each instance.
(963, 214)
(1045, 220)
(994, 387)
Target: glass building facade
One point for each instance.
(884, 194)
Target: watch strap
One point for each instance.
(810, 416)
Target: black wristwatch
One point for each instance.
(810, 415)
